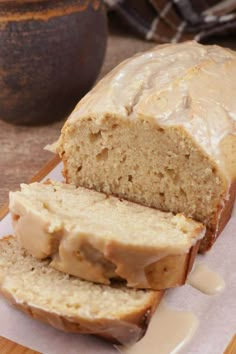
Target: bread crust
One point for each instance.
(221, 219)
(125, 330)
(170, 271)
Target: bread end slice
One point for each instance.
(115, 313)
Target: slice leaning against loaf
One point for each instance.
(160, 130)
(98, 237)
(116, 313)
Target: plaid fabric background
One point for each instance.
(177, 20)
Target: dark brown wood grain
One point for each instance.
(51, 54)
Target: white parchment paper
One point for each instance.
(216, 314)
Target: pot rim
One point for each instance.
(65, 7)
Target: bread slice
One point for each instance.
(160, 130)
(98, 237)
(114, 312)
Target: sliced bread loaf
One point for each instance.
(98, 237)
(160, 130)
(117, 313)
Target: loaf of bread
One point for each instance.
(98, 237)
(159, 130)
(114, 312)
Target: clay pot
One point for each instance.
(50, 55)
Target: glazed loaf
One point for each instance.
(159, 130)
(114, 312)
(98, 237)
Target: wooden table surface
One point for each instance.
(22, 152)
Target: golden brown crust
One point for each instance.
(223, 215)
(171, 270)
(191, 258)
(125, 330)
(183, 266)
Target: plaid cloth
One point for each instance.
(177, 20)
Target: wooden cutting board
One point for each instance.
(9, 347)
(231, 348)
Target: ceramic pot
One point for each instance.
(50, 55)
